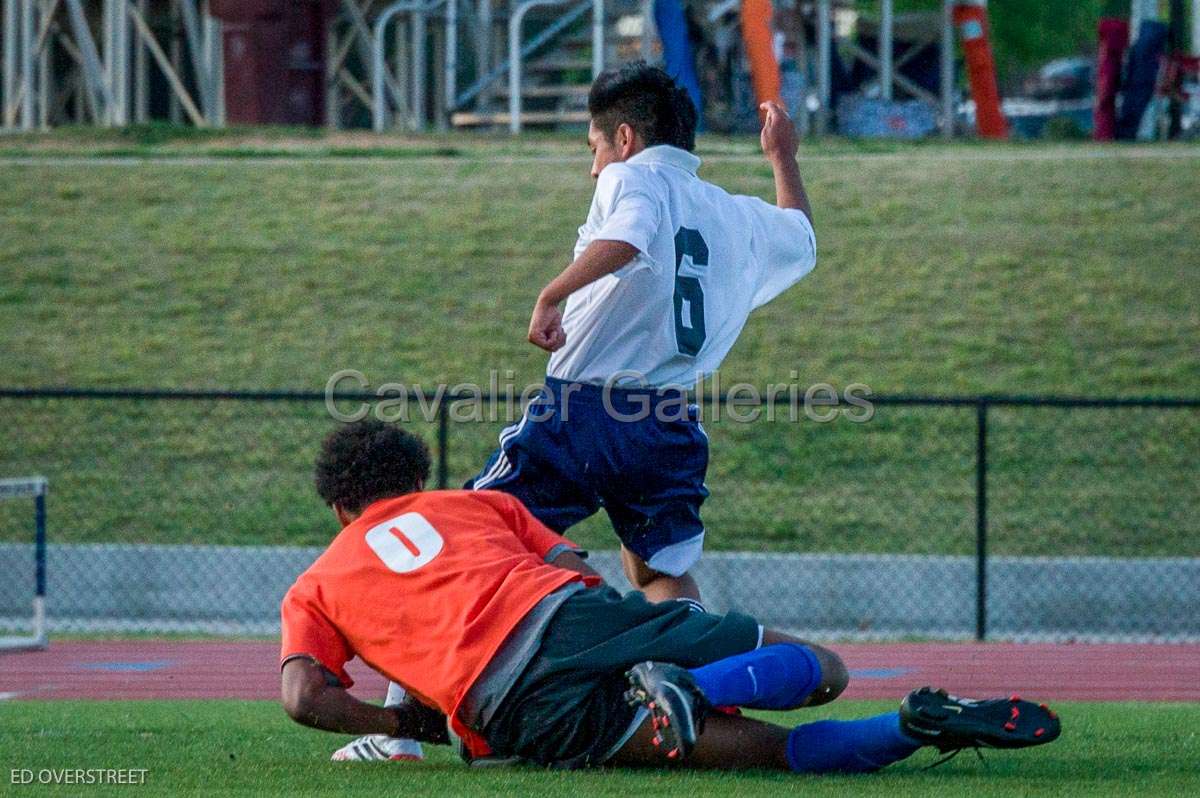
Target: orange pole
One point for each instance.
(760, 50)
(972, 24)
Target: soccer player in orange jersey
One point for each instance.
(504, 635)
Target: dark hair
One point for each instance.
(646, 99)
(369, 460)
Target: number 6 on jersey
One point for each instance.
(689, 295)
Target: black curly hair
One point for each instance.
(369, 460)
(645, 98)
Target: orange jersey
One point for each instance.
(424, 588)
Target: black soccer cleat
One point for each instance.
(677, 707)
(949, 723)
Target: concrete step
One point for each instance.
(472, 119)
(558, 64)
(551, 90)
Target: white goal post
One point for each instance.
(35, 488)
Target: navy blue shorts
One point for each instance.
(572, 453)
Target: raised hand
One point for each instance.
(778, 133)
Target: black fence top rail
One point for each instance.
(438, 397)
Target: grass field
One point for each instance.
(251, 748)
(274, 261)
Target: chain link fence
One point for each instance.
(997, 517)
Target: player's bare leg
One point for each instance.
(655, 585)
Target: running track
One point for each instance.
(140, 669)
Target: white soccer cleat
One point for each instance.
(379, 748)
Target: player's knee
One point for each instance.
(834, 677)
(297, 704)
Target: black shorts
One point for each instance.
(567, 708)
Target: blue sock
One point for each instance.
(779, 676)
(849, 746)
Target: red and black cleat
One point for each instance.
(677, 707)
(949, 723)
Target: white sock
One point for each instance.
(395, 695)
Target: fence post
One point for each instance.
(443, 434)
(981, 409)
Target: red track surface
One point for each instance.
(161, 669)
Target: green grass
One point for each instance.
(943, 269)
(250, 748)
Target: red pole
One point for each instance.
(1114, 38)
(972, 24)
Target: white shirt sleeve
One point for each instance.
(627, 208)
(783, 245)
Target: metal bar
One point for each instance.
(646, 44)
(947, 69)
(106, 55)
(210, 28)
(175, 110)
(450, 65)
(92, 67)
(141, 74)
(39, 559)
(824, 65)
(483, 54)
(8, 111)
(195, 46)
(44, 76)
(120, 63)
(28, 88)
(355, 87)
(375, 50)
(1196, 27)
(597, 38)
(418, 71)
(402, 39)
(164, 64)
(443, 435)
(802, 115)
(11, 24)
(332, 106)
(886, 28)
(39, 514)
(441, 118)
(514, 70)
(981, 410)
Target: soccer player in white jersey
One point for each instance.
(667, 269)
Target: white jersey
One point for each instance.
(706, 258)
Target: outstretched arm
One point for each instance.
(310, 700)
(780, 144)
(600, 258)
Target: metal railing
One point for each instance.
(419, 11)
(515, 51)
